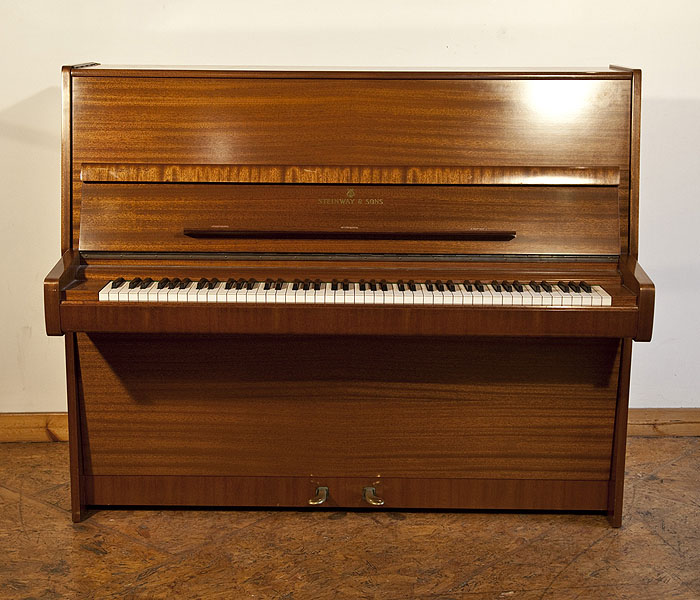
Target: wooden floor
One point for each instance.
(305, 555)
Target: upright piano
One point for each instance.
(343, 289)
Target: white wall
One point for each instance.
(37, 37)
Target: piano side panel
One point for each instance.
(506, 409)
(405, 123)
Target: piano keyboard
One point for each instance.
(448, 293)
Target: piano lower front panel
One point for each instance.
(429, 422)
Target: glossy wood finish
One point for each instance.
(66, 161)
(546, 219)
(346, 492)
(238, 72)
(435, 407)
(113, 317)
(617, 467)
(634, 277)
(362, 121)
(75, 408)
(64, 272)
(370, 174)
(355, 407)
(635, 135)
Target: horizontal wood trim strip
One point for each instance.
(33, 427)
(53, 427)
(234, 72)
(183, 173)
(175, 317)
(503, 494)
(664, 422)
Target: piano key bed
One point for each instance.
(410, 292)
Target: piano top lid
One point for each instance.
(348, 72)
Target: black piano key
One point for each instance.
(146, 282)
(346, 285)
(173, 283)
(297, 283)
(118, 282)
(134, 283)
(163, 282)
(586, 287)
(496, 286)
(479, 286)
(317, 284)
(383, 285)
(334, 285)
(439, 286)
(468, 285)
(363, 285)
(185, 282)
(400, 284)
(518, 286)
(412, 285)
(429, 285)
(575, 288)
(240, 284)
(230, 282)
(268, 284)
(451, 285)
(547, 287)
(373, 285)
(212, 283)
(307, 284)
(202, 282)
(535, 286)
(250, 283)
(279, 283)
(563, 287)
(507, 286)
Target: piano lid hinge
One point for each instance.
(84, 65)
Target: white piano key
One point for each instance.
(153, 292)
(104, 292)
(606, 299)
(320, 295)
(290, 294)
(123, 294)
(557, 296)
(349, 294)
(143, 292)
(260, 294)
(388, 295)
(213, 293)
(496, 297)
(586, 298)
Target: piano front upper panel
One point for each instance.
(334, 122)
(519, 122)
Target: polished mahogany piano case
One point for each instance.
(320, 175)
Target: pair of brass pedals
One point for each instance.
(369, 495)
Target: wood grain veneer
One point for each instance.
(229, 405)
(324, 406)
(545, 219)
(369, 174)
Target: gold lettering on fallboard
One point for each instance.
(351, 201)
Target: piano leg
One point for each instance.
(617, 467)
(74, 440)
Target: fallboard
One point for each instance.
(397, 218)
